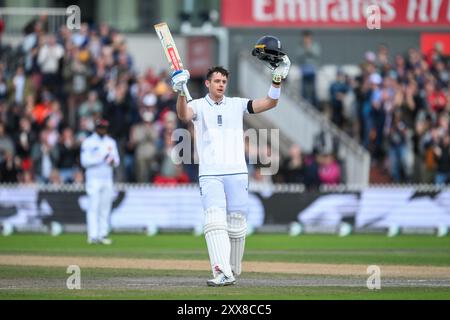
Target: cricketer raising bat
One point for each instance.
(171, 52)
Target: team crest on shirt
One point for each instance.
(219, 120)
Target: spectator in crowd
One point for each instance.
(40, 22)
(322, 165)
(86, 127)
(383, 60)
(42, 109)
(329, 169)
(407, 99)
(143, 138)
(338, 89)
(312, 179)
(68, 159)
(417, 133)
(175, 177)
(442, 74)
(92, 108)
(442, 154)
(45, 158)
(117, 111)
(262, 179)
(168, 169)
(388, 92)
(76, 73)
(308, 58)
(105, 34)
(376, 116)
(94, 46)
(9, 168)
(429, 140)
(6, 143)
(436, 99)
(51, 128)
(435, 54)
(78, 177)
(11, 117)
(49, 58)
(24, 139)
(20, 86)
(4, 114)
(56, 116)
(371, 85)
(293, 167)
(399, 69)
(3, 88)
(360, 86)
(100, 75)
(2, 28)
(31, 43)
(55, 177)
(397, 148)
(26, 177)
(81, 38)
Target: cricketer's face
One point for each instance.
(217, 85)
(101, 131)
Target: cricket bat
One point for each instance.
(171, 52)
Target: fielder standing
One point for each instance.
(99, 155)
(223, 175)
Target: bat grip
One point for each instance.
(186, 93)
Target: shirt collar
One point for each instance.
(213, 103)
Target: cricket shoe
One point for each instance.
(221, 280)
(92, 241)
(105, 241)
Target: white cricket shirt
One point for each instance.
(95, 152)
(219, 135)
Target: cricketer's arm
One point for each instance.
(183, 112)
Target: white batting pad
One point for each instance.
(217, 240)
(237, 229)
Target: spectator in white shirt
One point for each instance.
(49, 58)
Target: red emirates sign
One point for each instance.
(334, 13)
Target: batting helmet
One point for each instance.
(269, 50)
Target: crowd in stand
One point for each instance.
(52, 89)
(400, 107)
(322, 166)
(54, 86)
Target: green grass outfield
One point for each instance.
(29, 282)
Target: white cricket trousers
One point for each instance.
(100, 194)
(225, 236)
(229, 192)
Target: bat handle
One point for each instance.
(186, 93)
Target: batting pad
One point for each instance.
(237, 229)
(217, 240)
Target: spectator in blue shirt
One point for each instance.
(338, 90)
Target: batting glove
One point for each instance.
(282, 71)
(180, 78)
